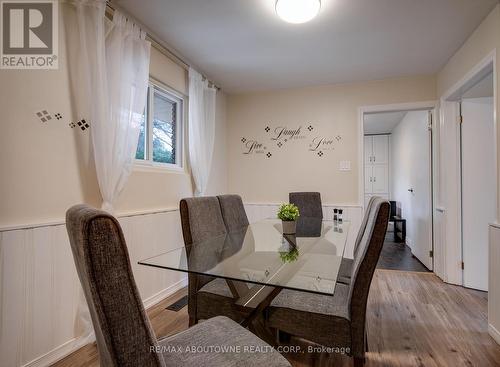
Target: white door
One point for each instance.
(381, 149)
(368, 147)
(421, 197)
(411, 181)
(368, 179)
(478, 188)
(380, 179)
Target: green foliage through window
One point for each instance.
(158, 136)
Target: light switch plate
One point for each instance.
(345, 166)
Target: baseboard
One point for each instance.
(494, 333)
(57, 354)
(160, 296)
(409, 243)
(74, 344)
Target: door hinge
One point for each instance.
(462, 265)
(431, 253)
(460, 119)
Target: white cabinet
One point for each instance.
(380, 149)
(376, 149)
(380, 179)
(376, 179)
(368, 149)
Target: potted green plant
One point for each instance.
(288, 213)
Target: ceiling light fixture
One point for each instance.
(297, 11)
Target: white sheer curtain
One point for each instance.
(110, 83)
(114, 72)
(201, 129)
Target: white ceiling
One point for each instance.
(382, 123)
(244, 46)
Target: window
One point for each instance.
(160, 137)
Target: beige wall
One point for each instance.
(46, 168)
(332, 110)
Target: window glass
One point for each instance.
(141, 145)
(164, 134)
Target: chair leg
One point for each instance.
(192, 321)
(366, 342)
(283, 337)
(359, 361)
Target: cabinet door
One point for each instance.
(381, 149)
(380, 179)
(368, 148)
(368, 179)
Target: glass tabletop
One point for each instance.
(260, 254)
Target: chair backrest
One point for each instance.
(123, 332)
(309, 203)
(363, 268)
(362, 228)
(233, 212)
(201, 219)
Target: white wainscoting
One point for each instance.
(352, 213)
(493, 282)
(40, 288)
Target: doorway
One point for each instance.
(398, 166)
(468, 174)
(478, 186)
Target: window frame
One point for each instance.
(154, 86)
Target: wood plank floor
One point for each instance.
(398, 256)
(414, 319)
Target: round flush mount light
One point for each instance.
(297, 11)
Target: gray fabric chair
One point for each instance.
(233, 212)
(309, 203)
(338, 321)
(123, 332)
(202, 220)
(346, 264)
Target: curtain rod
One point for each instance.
(110, 8)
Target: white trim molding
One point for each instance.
(450, 167)
(58, 222)
(164, 293)
(493, 276)
(395, 107)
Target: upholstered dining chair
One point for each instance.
(309, 203)
(233, 212)
(346, 263)
(338, 321)
(202, 220)
(123, 332)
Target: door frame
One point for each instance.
(411, 106)
(452, 173)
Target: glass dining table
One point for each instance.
(259, 261)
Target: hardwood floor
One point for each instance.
(414, 319)
(398, 256)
